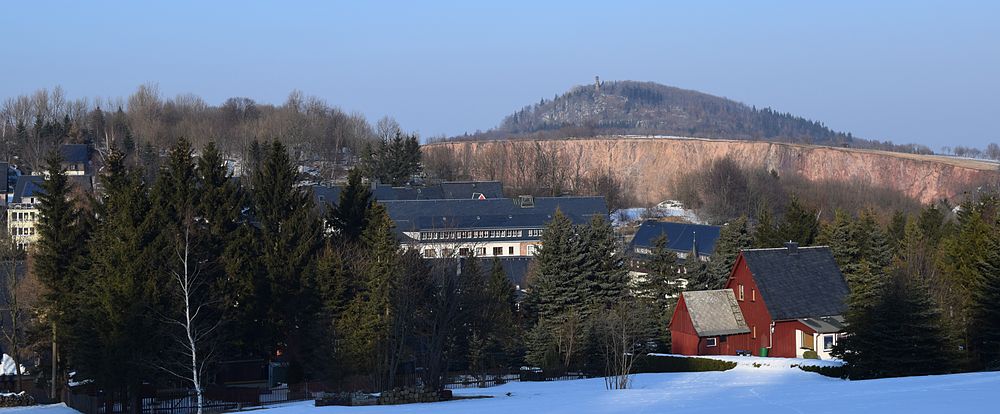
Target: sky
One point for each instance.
(906, 71)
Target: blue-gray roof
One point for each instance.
(75, 153)
(803, 282)
(457, 190)
(31, 185)
(681, 237)
(443, 191)
(497, 213)
(27, 186)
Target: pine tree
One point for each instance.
(289, 240)
(366, 324)
(348, 218)
(732, 238)
(604, 265)
(661, 271)
(862, 346)
(58, 239)
(896, 229)
(765, 234)
(799, 224)
(873, 243)
(117, 334)
(985, 308)
(557, 285)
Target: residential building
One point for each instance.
(76, 159)
(22, 212)
(684, 239)
(789, 301)
(448, 190)
(498, 227)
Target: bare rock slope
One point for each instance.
(652, 163)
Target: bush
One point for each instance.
(661, 363)
(831, 371)
(810, 354)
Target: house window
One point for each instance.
(532, 249)
(755, 332)
(430, 253)
(498, 251)
(510, 250)
(741, 292)
(753, 295)
(480, 251)
(711, 342)
(446, 252)
(829, 340)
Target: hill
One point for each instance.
(647, 108)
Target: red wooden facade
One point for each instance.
(780, 342)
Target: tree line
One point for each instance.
(145, 125)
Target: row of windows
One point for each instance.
(474, 234)
(466, 251)
(22, 216)
(22, 231)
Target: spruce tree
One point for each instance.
(348, 216)
(985, 308)
(367, 321)
(732, 238)
(289, 240)
(896, 229)
(661, 271)
(799, 224)
(604, 265)
(842, 236)
(59, 240)
(765, 234)
(557, 285)
(118, 334)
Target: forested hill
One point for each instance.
(647, 108)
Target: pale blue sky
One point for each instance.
(910, 71)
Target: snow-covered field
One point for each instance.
(772, 388)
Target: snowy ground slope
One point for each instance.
(744, 389)
(40, 409)
(767, 362)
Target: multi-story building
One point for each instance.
(22, 212)
(499, 227)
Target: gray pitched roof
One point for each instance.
(458, 190)
(825, 324)
(803, 282)
(31, 185)
(74, 153)
(715, 312)
(497, 213)
(681, 237)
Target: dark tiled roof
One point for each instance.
(27, 186)
(804, 282)
(74, 153)
(516, 268)
(715, 312)
(681, 237)
(457, 190)
(31, 185)
(497, 213)
(325, 196)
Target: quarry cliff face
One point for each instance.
(652, 164)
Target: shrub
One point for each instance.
(660, 363)
(810, 354)
(828, 371)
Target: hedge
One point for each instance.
(831, 371)
(661, 363)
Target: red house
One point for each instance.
(790, 300)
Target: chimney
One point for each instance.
(792, 247)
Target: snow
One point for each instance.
(7, 366)
(669, 208)
(40, 409)
(772, 388)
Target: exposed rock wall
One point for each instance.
(652, 163)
